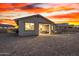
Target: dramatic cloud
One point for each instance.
(40, 5)
(57, 12)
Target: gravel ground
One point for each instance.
(55, 45)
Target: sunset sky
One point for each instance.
(56, 12)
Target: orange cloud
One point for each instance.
(8, 21)
(8, 7)
(72, 15)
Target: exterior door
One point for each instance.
(44, 29)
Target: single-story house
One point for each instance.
(35, 25)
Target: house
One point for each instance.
(66, 28)
(7, 28)
(60, 28)
(35, 25)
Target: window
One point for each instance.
(29, 26)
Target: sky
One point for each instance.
(56, 12)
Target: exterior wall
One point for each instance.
(23, 32)
(36, 21)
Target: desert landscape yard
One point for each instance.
(54, 45)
